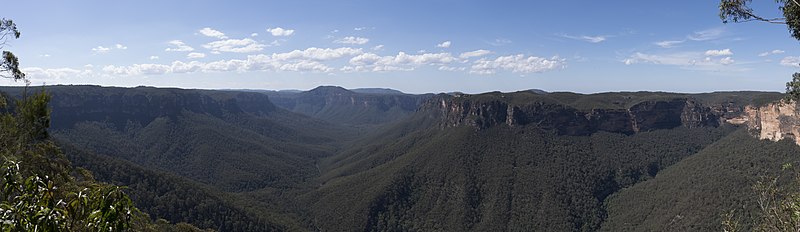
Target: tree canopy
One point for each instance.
(9, 66)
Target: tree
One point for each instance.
(739, 11)
(9, 66)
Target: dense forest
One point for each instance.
(235, 161)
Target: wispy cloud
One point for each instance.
(723, 52)
(445, 44)
(773, 52)
(500, 42)
(352, 40)
(101, 49)
(195, 55)
(590, 39)
(207, 31)
(245, 45)
(708, 34)
(178, 46)
(687, 60)
(476, 53)
(669, 43)
(792, 61)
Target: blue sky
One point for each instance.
(413, 46)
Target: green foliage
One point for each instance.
(37, 203)
(9, 62)
(705, 189)
(778, 205)
(37, 190)
(740, 11)
(793, 88)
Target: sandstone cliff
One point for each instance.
(774, 121)
(564, 119)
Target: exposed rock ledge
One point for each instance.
(775, 121)
(565, 120)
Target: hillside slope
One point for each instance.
(693, 194)
(458, 164)
(351, 107)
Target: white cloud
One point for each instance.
(45, 55)
(54, 74)
(280, 31)
(723, 52)
(101, 49)
(792, 61)
(476, 53)
(378, 48)
(195, 55)
(451, 69)
(445, 44)
(276, 43)
(709, 34)
(773, 52)
(590, 39)
(320, 54)
(352, 40)
(212, 33)
(259, 62)
(245, 45)
(500, 42)
(400, 62)
(359, 28)
(137, 69)
(726, 61)
(178, 46)
(154, 57)
(686, 60)
(308, 60)
(254, 35)
(669, 43)
(517, 64)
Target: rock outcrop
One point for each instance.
(774, 121)
(566, 120)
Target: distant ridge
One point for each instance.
(378, 91)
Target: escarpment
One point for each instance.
(565, 119)
(775, 121)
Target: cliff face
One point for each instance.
(644, 116)
(775, 121)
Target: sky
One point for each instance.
(412, 46)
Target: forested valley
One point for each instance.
(235, 161)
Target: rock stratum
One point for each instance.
(775, 121)
(629, 117)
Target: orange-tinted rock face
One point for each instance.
(776, 121)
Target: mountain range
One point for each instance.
(333, 159)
